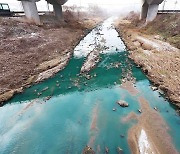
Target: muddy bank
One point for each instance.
(159, 60)
(31, 53)
(150, 134)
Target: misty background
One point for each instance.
(111, 6)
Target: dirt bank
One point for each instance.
(27, 51)
(158, 59)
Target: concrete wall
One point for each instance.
(31, 11)
(58, 11)
(152, 12)
(149, 9)
(144, 11)
(154, 1)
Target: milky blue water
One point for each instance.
(80, 111)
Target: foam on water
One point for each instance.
(103, 35)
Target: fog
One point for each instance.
(111, 6)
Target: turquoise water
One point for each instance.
(79, 111)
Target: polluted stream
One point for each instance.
(78, 106)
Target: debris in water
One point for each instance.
(48, 98)
(39, 93)
(45, 89)
(154, 88)
(106, 150)
(114, 109)
(88, 76)
(122, 136)
(119, 150)
(139, 110)
(155, 108)
(122, 103)
(88, 150)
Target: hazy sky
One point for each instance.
(108, 4)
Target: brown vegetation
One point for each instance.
(165, 25)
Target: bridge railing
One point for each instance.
(168, 11)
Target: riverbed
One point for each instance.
(65, 113)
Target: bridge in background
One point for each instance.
(148, 12)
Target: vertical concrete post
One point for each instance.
(152, 12)
(144, 11)
(58, 11)
(31, 11)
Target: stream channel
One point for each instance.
(69, 111)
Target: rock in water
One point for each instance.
(119, 150)
(88, 150)
(139, 110)
(122, 103)
(92, 59)
(106, 150)
(154, 88)
(114, 109)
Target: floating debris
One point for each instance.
(46, 88)
(39, 94)
(106, 150)
(123, 80)
(155, 108)
(139, 110)
(122, 103)
(154, 88)
(122, 136)
(88, 76)
(114, 109)
(88, 150)
(119, 150)
(48, 98)
(161, 92)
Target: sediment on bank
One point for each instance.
(31, 53)
(159, 60)
(147, 135)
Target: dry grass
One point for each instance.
(165, 25)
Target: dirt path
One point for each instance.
(158, 59)
(27, 51)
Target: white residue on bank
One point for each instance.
(143, 143)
